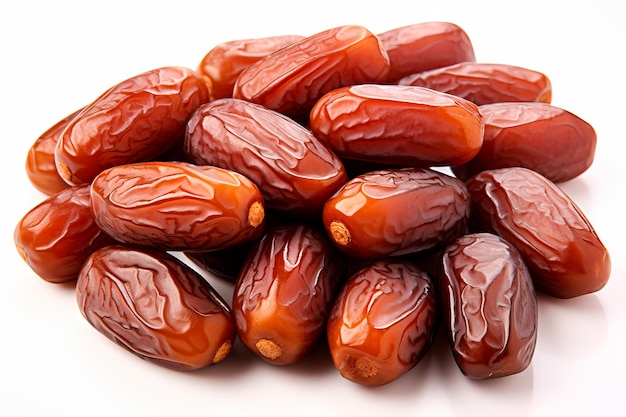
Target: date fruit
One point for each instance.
(396, 211)
(564, 254)
(156, 307)
(401, 125)
(485, 83)
(489, 306)
(547, 139)
(293, 78)
(285, 291)
(177, 206)
(293, 169)
(133, 121)
(382, 322)
(57, 235)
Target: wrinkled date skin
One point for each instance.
(223, 64)
(293, 78)
(56, 236)
(563, 252)
(425, 46)
(382, 322)
(135, 120)
(293, 169)
(40, 167)
(547, 139)
(395, 212)
(489, 306)
(285, 291)
(485, 83)
(153, 305)
(177, 206)
(393, 124)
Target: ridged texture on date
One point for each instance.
(153, 305)
(133, 121)
(293, 169)
(489, 306)
(400, 125)
(293, 78)
(425, 46)
(395, 212)
(563, 252)
(57, 235)
(485, 83)
(284, 293)
(177, 206)
(223, 64)
(382, 322)
(547, 139)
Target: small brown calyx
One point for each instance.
(340, 233)
(365, 367)
(268, 349)
(223, 351)
(256, 214)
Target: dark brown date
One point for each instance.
(563, 252)
(382, 322)
(293, 78)
(395, 212)
(177, 206)
(489, 306)
(485, 83)
(56, 236)
(153, 305)
(225, 264)
(547, 139)
(293, 169)
(135, 120)
(285, 291)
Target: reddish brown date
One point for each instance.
(177, 206)
(285, 291)
(564, 254)
(40, 167)
(382, 322)
(153, 305)
(223, 64)
(425, 46)
(547, 139)
(395, 212)
(485, 83)
(225, 264)
(57, 235)
(393, 124)
(293, 78)
(489, 306)
(135, 120)
(293, 169)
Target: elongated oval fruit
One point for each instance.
(489, 306)
(547, 139)
(395, 212)
(135, 120)
(293, 78)
(382, 322)
(400, 125)
(563, 252)
(284, 293)
(156, 307)
(294, 171)
(177, 206)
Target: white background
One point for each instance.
(56, 56)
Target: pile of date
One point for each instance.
(356, 189)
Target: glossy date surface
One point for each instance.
(397, 125)
(135, 120)
(153, 305)
(382, 322)
(564, 254)
(177, 205)
(293, 169)
(396, 211)
(489, 306)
